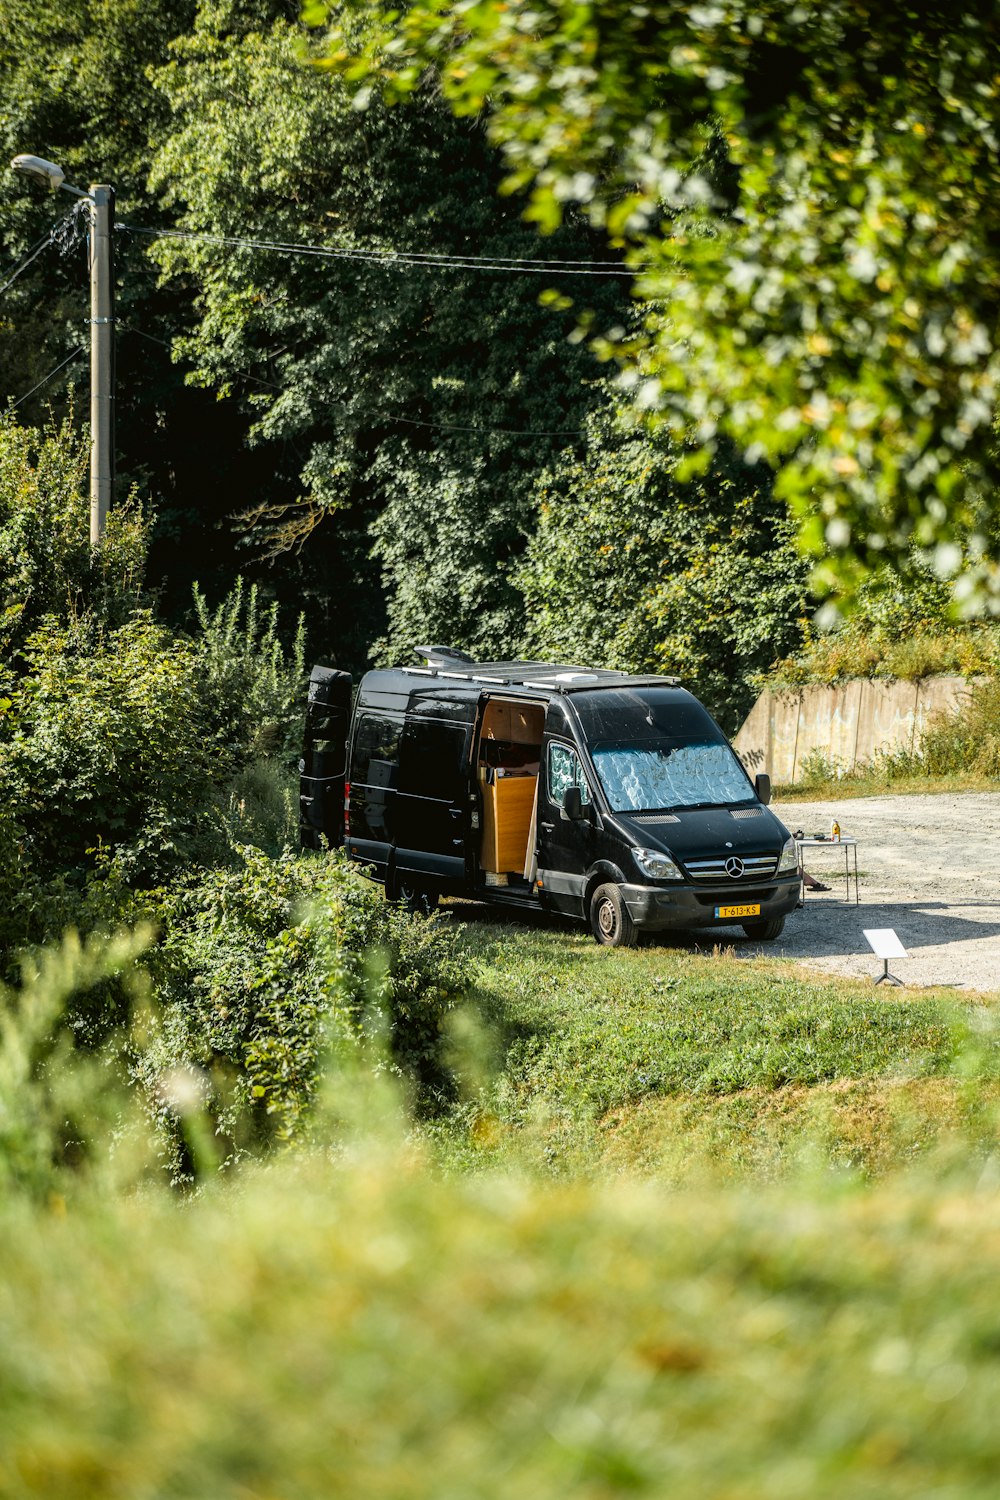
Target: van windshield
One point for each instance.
(655, 746)
(639, 775)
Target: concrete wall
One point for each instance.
(848, 724)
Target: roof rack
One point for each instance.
(565, 679)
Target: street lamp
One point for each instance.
(101, 198)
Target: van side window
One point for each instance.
(434, 759)
(565, 771)
(376, 751)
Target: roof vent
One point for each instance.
(442, 656)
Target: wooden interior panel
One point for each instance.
(508, 778)
(517, 723)
(508, 804)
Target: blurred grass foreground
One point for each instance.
(364, 1327)
(350, 1309)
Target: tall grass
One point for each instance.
(366, 1327)
(255, 683)
(864, 650)
(350, 1320)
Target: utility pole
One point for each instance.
(101, 200)
(102, 358)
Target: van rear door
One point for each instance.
(324, 759)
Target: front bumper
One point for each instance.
(660, 908)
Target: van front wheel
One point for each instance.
(610, 920)
(767, 931)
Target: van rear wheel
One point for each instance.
(416, 898)
(610, 919)
(765, 932)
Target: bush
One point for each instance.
(106, 744)
(61, 1105)
(898, 631)
(968, 741)
(268, 968)
(369, 1328)
(47, 566)
(139, 744)
(253, 688)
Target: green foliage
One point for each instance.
(629, 567)
(74, 89)
(260, 806)
(812, 196)
(59, 1104)
(47, 565)
(271, 968)
(967, 741)
(106, 743)
(418, 397)
(386, 1302)
(254, 686)
(897, 630)
(366, 1327)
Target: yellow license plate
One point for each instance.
(738, 911)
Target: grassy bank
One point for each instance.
(692, 1064)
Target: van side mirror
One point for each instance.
(762, 786)
(572, 804)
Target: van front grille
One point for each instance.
(754, 867)
(712, 898)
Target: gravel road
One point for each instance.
(929, 868)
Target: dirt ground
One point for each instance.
(929, 868)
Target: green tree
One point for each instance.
(631, 567)
(75, 87)
(812, 194)
(428, 396)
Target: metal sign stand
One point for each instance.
(885, 944)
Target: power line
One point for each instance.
(489, 431)
(128, 328)
(396, 259)
(31, 256)
(50, 376)
(53, 234)
(388, 416)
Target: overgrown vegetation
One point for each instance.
(631, 568)
(146, 783)
(895, 631)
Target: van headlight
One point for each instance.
(656, 865)
(789, 859)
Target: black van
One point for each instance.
(611, 798)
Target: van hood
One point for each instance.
(706, 830)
